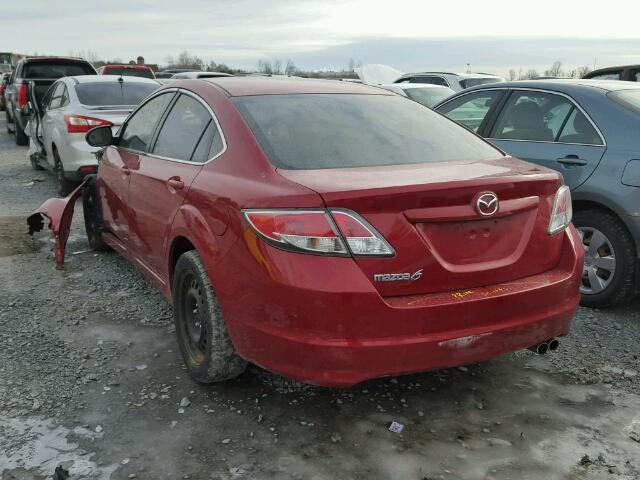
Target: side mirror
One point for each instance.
(99, 136)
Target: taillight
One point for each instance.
(561, 212)
(82, 124)
(22, 95)
(317, 231)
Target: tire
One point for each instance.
(93, 217)
(203, 339)
(21, 137)
(609, 273)
(9, 122)
(65, 186)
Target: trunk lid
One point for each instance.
(428, 213)
(115, 115)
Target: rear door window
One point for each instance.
(533, 116)
(138, 131)
(56, 70)
(182, 129)
(578, 129)
(57, 96)
(470, 110)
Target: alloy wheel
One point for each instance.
(599, 261)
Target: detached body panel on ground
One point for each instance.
(326, 268)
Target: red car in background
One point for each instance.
(127, 70)
(329, 232)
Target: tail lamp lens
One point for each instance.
(22, 95)
(82, 124)
(561, 212)
(317, 231)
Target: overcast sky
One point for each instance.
(492, 35)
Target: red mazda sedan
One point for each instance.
(329, 232)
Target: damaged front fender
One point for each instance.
(59, 212)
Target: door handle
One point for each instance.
(125, 171)
(175, 183)
(572, 160)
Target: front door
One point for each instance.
(550, 130)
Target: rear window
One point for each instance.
(627, 98)
(56, 70)
(318, 131)
(472, 82)
(128, 72)
(116, 93)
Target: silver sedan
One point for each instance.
(71, 107)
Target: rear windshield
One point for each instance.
(315, 131)
(472, 82)
(56, 70)
(627, 98)
(128, 72)
(116, 93)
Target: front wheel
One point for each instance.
(610, 259)
(202, 333)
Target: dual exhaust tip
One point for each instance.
(544, 347)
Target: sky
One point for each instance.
(491, 35)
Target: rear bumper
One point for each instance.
(339, 335)
(77, 154)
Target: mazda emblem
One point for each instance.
(487, 204)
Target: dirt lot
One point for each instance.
(91, 379)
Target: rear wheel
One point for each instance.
(65, 186)
(202, 333)
(9, 121)
(21, 137)
(92, 216)
(610, 261)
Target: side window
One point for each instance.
(139, 129)
(534, 116)
(47, 96)
(56, 96)
(431, 80)
(579, 129)
(64, 99)
(608, 76)
(182, 129)
(635, 76)
(470, 110)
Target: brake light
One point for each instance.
(317, 231)
(310, 231)
(22, 95)
(82, 124)
(561, 212)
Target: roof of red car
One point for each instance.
(241, 86)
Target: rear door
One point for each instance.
(52, 103)
(551, 130)
(117, 163)
(162, 178)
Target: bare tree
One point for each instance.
(265, 67)
(277, 67)
(530, 74)
(290, 68)
(555, 70)
(352, 65)
(582, 71)
(512, 75)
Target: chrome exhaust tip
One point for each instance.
(540, 348)
(553, 344)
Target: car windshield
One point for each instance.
(128, 72)
(114, 93)
(317, 131)
(627, 98)
(428, 96)
(56, 70)
(472, 82)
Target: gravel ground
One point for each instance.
(91, 379)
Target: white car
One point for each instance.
(455, 81)
(71, 107)
(423, 93)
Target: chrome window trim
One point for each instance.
(207, 107)
(541, 90)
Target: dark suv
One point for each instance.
(42, 71)
(630, 73)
